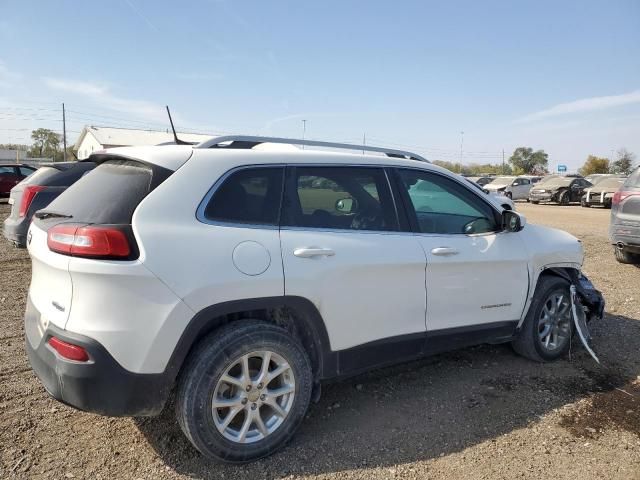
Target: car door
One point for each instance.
(8, 179)
(477, 276)
(523, 188)
(578, 187)
(342, 249)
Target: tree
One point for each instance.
(624, 163)
(525, 160)
(594, 164)
(45, 143)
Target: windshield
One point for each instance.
(556, 182)
(503, 180)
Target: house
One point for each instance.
(93, 138)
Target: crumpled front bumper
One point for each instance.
(590, 297)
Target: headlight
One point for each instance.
(541, 191)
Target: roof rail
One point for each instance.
(248, 142)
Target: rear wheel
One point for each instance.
(546, 331)
(244, 391)
(623, 256)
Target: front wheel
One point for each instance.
(244, 391)
(563, 198)
(535, 202)
(546, 331)
(509, 195)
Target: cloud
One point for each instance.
(102, 96)
(584, 105)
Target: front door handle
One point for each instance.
(444, 251)
(308, 252)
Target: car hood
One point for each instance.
(550, 246)
(495, 186)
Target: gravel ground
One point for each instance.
(480, 412)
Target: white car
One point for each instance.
(516, 188)
(241, 279)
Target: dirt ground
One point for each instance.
(481, 412)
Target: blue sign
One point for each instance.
(562, 168)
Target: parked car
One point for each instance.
(624, 229)
(516, 188)
(482, 181)
(11, 174)
(222, 274)
(500, 200)
(36, 192)
(559, 189)
(601, 193)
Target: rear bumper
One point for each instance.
(15, 230)
(626, 235)
(100, 385)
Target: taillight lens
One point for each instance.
(619, 196)
(88, 241)
(68, 350)
(27, 197)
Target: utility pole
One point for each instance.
(304, 131)
(64, 135)
(503, 161)
(461, 145)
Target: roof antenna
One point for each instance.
(175, 135)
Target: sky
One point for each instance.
(559, 76)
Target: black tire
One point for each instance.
(584, 204)
(563, 198)
(527, 343)
(535, 202)
(204, 368)
(509, 195)
(622, 256)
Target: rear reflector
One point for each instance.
(27, 197)
(68, 350)
(88, 241)
(619, 196)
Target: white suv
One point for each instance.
(240, 277)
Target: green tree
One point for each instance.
(45, 143)
(594, 164)
(525, 160)
(624, 163)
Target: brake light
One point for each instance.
(68, 350)
(619, 196)
(88, 241)
(28, 194)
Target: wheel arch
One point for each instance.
(297, 315)
(567, 271)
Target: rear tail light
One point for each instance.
(88, 241)
(68, 350)
(27, 197)
(619, 196)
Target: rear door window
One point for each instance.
(250, 196)
(342, 198)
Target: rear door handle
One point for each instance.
(308, 252)
(444, 251)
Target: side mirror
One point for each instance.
(345, 205)
(512, 221)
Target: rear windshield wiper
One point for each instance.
(43, 215)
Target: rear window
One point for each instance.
(110, 193)
(634, 179)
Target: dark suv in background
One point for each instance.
(38, 191)
(559, 189)
(624, 230)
